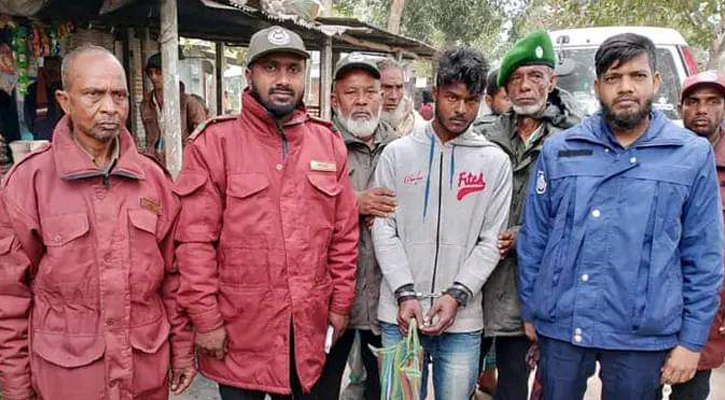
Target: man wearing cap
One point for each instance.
(438, 247)
(397, 107)
(267, 237)
(152, 110)
(702, 107)
(621, 250)
(357, 102)
(538, 112)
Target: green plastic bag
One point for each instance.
(401, 367)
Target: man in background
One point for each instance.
(357, 102)
(702, 107)
(41, 109)
(152, 110)
(397, 106)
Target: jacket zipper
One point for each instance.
(285, 144)
(438, 227)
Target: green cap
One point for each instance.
(356, 60)
(534, 49)
(275, 39)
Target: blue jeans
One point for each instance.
(626, 375)
(454, 357)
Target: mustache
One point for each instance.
(282, 90)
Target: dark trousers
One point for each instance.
(697, 388)
(486, 343)
(331, 379)
(513, 371)
(626, 375)
(235, 393)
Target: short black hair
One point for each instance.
(491, 83)
(462, 64)
(622, 48)
(427, 96)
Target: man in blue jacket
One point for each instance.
(620, 254)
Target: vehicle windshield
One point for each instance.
(580, 82)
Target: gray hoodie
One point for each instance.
(453, 202)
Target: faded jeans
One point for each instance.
(454, 357)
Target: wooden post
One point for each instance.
(146, 52)
(221, 66)
(325, 78)
(171, 127)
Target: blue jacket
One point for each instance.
(621, 248)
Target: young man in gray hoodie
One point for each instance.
(439, 246)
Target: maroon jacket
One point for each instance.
(267, 238)
(713, 353)
(87, 281)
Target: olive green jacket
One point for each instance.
(501, 308)
(361, 162)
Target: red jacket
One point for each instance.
(267, 235)
(87, 284)
(713, 353)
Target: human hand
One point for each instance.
(377, 202)
(530, 332)
(680, 366)
(339, 323)
(506, 241)
(407, 310)
(445, 308)
(181, 378)
(212, 343)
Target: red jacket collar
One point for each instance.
(252, 109)
(72, 162)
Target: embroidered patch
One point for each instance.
(575, 153)
(323, 166)
(540, 183)
(469, 183)
(279, 37)
(151, 205)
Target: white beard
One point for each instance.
(532, 110)
(360, 128)
(396, 116)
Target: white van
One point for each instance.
(576, 48)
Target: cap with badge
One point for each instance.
(535, 49)
(275, 39)
(356, 60)
(706, 78)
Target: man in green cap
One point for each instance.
(539, 110)
(267, 235)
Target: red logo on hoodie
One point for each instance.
(469, 183)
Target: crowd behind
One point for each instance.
(290, 248)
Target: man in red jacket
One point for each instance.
(88, 283)
(702, 107)
(267, 238)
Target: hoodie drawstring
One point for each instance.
(453, 166)
(427, 180)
